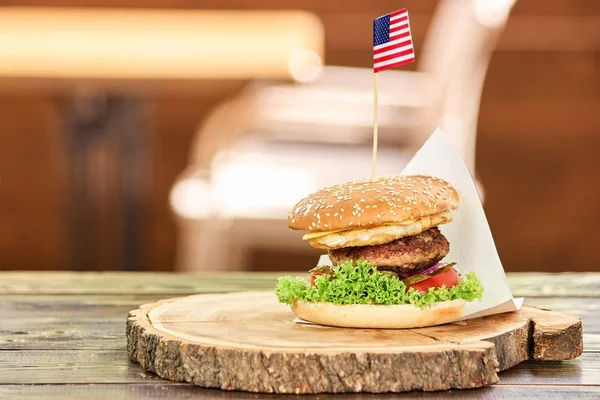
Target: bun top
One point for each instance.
(366, 203)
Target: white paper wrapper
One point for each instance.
(472, 246)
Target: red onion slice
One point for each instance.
(426, 271)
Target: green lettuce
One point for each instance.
(361, 283)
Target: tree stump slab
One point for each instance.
(248, 341)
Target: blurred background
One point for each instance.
(175, 135)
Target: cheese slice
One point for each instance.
(312, 235)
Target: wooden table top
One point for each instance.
(62, 335)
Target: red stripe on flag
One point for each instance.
(400, 20)
(395, 46)
(398, 28)
(398, 64)
(398, 12)
(395, 55)
(400, 36)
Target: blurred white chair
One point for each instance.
(259, 153)
(102, 67)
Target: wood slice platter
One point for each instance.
(248, 341)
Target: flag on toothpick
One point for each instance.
(392, 42)
(392, 47)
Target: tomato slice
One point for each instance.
(313, 275)
(447, 278)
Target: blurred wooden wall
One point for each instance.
(539, 134)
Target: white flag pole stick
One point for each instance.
(374, 164)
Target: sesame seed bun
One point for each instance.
(377, 316)
(368, 203)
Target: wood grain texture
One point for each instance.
(172, 391)
(114, 366)
(132, 283)
(75, 366)
(247, 341)
(67, 322)
(63, 336)
(75, 322)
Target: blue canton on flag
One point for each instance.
(392, 41)
(381, 30)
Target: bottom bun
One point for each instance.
(377, 316)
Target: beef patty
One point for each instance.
(405, 255)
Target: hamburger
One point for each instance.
(386, 253)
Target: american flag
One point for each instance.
(392, 42)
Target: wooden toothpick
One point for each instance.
(374, 165)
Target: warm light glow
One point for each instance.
(148, 44)
(247, 188)
(328, 114)
(191, 198)
(493, 13)
(305, 65)
(342, 97)
(454, 127)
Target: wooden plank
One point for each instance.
(75, 366)
(173, 391)
(131, 283)
(66, 322)
(582, 371)
(586, 308)
(93, 283)
(534, 284)
(73, 339)
(47, 335)
(114, 366)
(591, 342)
(72, 322)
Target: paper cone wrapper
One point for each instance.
(472, 246)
